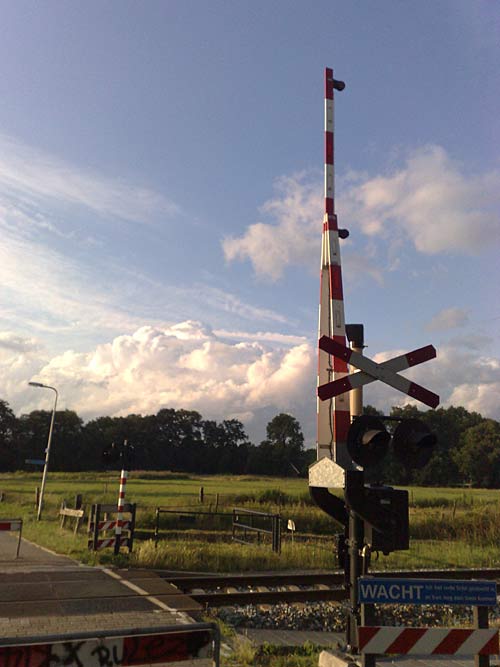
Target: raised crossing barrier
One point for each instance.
(197, 644)
(12, 525)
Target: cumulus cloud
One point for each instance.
(182, 366)
(434, 201)
(188, 366)
(430, 201)
(449, 318)
(291, 238)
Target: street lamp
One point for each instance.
(49, 440)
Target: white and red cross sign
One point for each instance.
(369, 371)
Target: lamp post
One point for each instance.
(49, 440)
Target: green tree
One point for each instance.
(9, 428)
(66, 451)
(233, 449)
(282, 452)
(478, 459)
(448, 424)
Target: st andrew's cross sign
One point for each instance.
(369, 371)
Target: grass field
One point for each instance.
(449, 527)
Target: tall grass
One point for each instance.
(449, 527)
(199, 555)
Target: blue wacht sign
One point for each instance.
(35, 462)
(427, 591)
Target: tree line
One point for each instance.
(176, 440)
(467, 451)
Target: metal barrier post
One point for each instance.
(19, 540)
(157, 526)
(132, 527)
(97, 518)
(367, 616)
(480, 617)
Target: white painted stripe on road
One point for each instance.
(183, 617)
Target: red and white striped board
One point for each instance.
(107, 542)
(370, 371)
(111, 525)
(333, 418)
(173, 647)
(428, 641)
(11, 524)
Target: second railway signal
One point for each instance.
(368, 441)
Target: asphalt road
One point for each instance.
(42, 593)
(30, 555)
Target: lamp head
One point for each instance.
(36, 384)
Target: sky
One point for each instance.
(161, 201)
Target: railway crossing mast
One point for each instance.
(333, 416)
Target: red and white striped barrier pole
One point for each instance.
(334, 415)
(120, 508)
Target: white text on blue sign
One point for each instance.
(427, 591)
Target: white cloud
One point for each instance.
(54, 284)
(449, 318)
(433, 200)
(430, 201)
(293, 239)
(27, 174)
(183, 366)
(188, 366)
(476, 342)
(263, 336)
(459, 376)
(12, 342)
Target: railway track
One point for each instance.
(224, 590)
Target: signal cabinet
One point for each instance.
(393, 504)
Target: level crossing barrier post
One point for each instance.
(480, 617)
(119, 518)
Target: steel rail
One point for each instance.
(189, 581)
(210, 590)
(225, 599)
